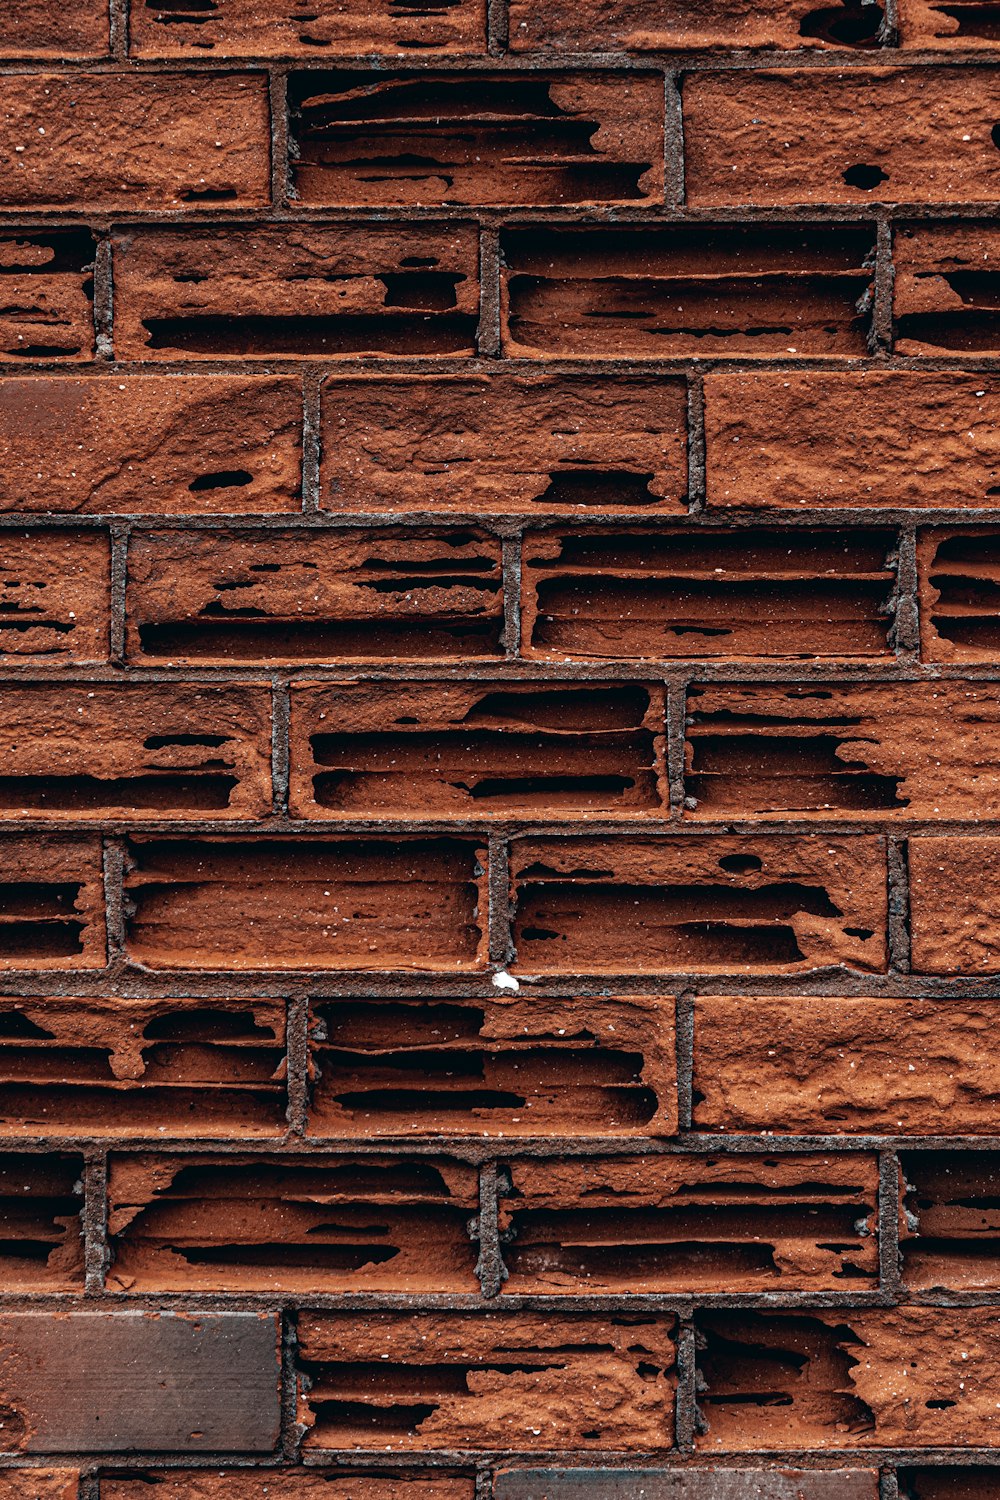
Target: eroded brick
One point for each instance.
(134, 751)
(299, 1484)
(153, 1067)
(34, 28)
(505, 1066)
(945, 294)
(631, 26)
(51, 904)
(308, 596)
(941, 1483)
(39, 1484)
(811, 1065)
(523, 1381)
(951, 25)
(307, 904)
(707, 904)
(660, 594)
(48, 295)
(150, 444)
(687, 1223)
(834, 136)
(959, 595)
(650, 294)
(55, 597)
(379, 139)
(257, 28)
(205, 140)
(955, 905)
(570, 444)
(331, 291)
(949, 1226)
(371, 1223)
(441, 750)
(41, 1226)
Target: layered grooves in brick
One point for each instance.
(499, 615)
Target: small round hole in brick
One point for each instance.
(865, 176)
(995, 135)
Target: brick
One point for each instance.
(135, 751)
(198, 1223)
(196, 1382)
(33, 28)
(332, 292)
(692, 290)
(810, 1065)
(939, 1483)
(833, 1379)
(959, 601)
(51, 903)
(48, 295)
(316, 904)
(828, 136)
(39, 1484)
(491, 749)
(451, 1380)
(709, 905)
(647, 1224)
(41, 1226)
(657, 595)
(681, 1484)
(205, 140)
(204, 444)
(949, 25)
(945, 289)
(386, 139)
(314, 595)
(160, 1067)
(297, 1484)
(630, 26)
(949, 1226)
(831, 751)
(954, 907)
(254, 28)
(55, 598)
(892, 438)
(504, 1066)
(572, 444)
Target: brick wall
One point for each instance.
(499, 750)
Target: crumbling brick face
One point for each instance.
(499, 744)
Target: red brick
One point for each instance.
(51, 903)
(150, 444)
(570, 444)
(205, 140)
(809, 1065)
(945, 288)
(34, 28)
(893, 438)
(631, 26)
(709, 905)
(948, 1220)
(955, 905)
(477, 138)
(357, 28)
(314, 595)
(39, 1484)
(948, 25)
(959, 613)
(331, 291)
(829, 136)
(298, 1484)
(55, 597)
(48, 306)
(41, 1224)
(347, 904)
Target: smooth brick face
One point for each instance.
(51, 903)
(33, 28)
(330, 292)
(945, 288)
(809, 1065)
(256, 28)
(48, 306)
(730, 905)
(826, 136)
(205, 141)
(572, 444)
(631, 26)
(955, 910)
(55, 597)
(150, 444)
(686, 1484)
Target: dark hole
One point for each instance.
(865, 176)
(740, 864)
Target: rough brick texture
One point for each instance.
(499, 750)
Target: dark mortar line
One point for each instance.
(684, 1045)
(114, 857)
(95, 1220)
(888, 1225)
(899, 925)
(290, 1433)
(686, 1399)
(674, 194)
(297, 1061)
(312, 443)
(511, 566)
(676, 732)
(490, 1269)
(882, 311)
(118, 32)
(888, 1484)
(489, 331)
(119, 537)
(280, 754)
(499, 922)
(906, 625)
(281, 171)
(697, 479)
(104, 301)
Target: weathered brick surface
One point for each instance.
(41, 1231)
(47, 280)
(963, 25)
(39, 1484)
(256, 28)
(948, 1224)
(51, 903)
(955, 911)
(957, 594)
(55, 597)
(294, 1484)
(33, 29)
(630, 26)
(944, 291)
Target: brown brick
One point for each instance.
(34, 28)
(955, 905)
(949, 1227)
(39, 1484)
(927, 750)
(202, 444)
(488, 1380)
(477, 138)
(41, 1225)
(571, 444)
(331, 292)
(730, 905)
(809, 1065)
(949, 25)
(631, 26)
(940, 1483)
(959, 602)
(134, 751)
(55, 597)
(205, 140)
(945, 295)
(196, 1382)
(51, 903)
(301, 1224)
(301, 1484)
(650, 294)
(504, 1066)
(834, 1379)
(803, 439)
(660, 594)
(255, 28)
(680, 1483)
(308, 904)
(314, 595)
(492, 749)
(646, 1224)
(147, 1067)
(829, 136)
(48, 302)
